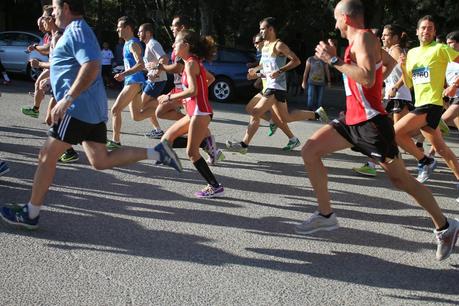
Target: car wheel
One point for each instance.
(222, 90)
(33, 73)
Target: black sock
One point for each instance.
(444, 226)
(316, 115)
(71, 151)
(244, 145)
(326, 216)
(204, 170)
(181, 143)
(426, 160)
(419, 144)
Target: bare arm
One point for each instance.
(209, 77)
(139, 65)
(293, 62)
(307, 68)
(364, 49)
(389, 63)
(172, 68)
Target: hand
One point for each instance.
(450, 91)
(304, 85)
(252, 71)
(162, 99)
(31, 48)
(326, 51)
(252, 76)
(392, 92)
(275, 74)
(119, 77)
(34, 63)
(58, 111)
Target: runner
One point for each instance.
(424, 69)
(274, 65)
(366, 128)
(397, 97)
(132, 76)
(80, 114)
(451, 94)
(171, 110)
(195, 80)
(154, 54)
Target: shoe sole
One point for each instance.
(329, 228)
(19, 225)
(173, 156)
(5, 171)
(69, 161)
(215, 195)
(363, 173)
(452, 248)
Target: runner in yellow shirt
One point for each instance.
(424, 69)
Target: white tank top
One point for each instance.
(403, 93)
(452, 72)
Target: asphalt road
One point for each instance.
(136, 235)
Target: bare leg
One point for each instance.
(169, 111)
(405, 128)
(324, 141)
(125, 97)
(260, 108)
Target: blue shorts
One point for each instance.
(136, 78)
(154, 89)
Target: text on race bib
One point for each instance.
(421, 75)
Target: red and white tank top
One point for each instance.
(362, 103)
(199, 104)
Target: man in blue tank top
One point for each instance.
(132, 76)
(79, 115)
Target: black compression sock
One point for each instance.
(444, 226)
(204, 170)
(426, 160)
(244, 145)
(326, 216)
(180, 142)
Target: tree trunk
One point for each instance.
(206, 18)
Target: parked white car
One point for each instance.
(14, 54)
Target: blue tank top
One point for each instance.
(129, 61)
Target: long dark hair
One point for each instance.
(398, 31)
(203, 47)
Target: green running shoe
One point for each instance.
(272, 129)
(292, 144)
(112, 145)
(366, 170)
(30, 111)
(69, 156)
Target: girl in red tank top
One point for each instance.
(195, 79)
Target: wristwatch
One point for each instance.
(334, 60)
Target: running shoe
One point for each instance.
(425, 171)
(154, 134)
(235, 146)
(112, 145)
(292, 144)
(18, 215)
(316, 223)
(272, 129)
(69, 156)
(366, 170)
(444, 129)
(219, 157)
(322, 114)
(446, 239)
(4, 169)
(167, 156)
(30, 111)
(211, 192)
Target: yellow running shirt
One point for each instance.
(426, 67)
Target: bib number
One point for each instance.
(421, 76)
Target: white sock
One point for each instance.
(5, 76)
(34, 211)
(152, 154)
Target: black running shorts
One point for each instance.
(397, 105)
(433, 112)
(374, 138)
(74, 131)
(280, 95)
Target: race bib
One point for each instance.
(421, 75)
